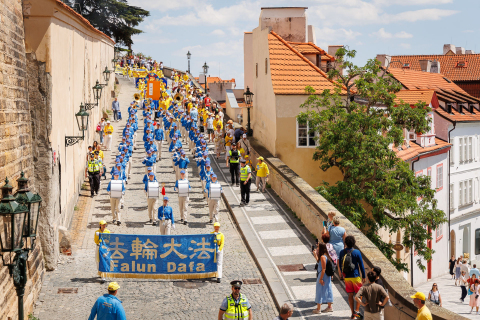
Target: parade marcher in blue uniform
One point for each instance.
(182, 163)
(165, 218)
(149, 161)
(159, 137)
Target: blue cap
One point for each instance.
(119, 164)
(116, 173)
(174, 124)
(150, 174)
(205, 153)
(150, 168)
(182, 171)
(182, 152)
(207, 164)
(214, 175)
(150, 151)
(165, 198)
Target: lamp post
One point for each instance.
(19, 215)
(97, 91)
(205, 71)
(189, 55)
(248, 101)
(106, 77)
(82, 122)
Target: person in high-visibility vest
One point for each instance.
(235, 306)
(96, 239)
(232, 162)
(93, 170)
(220, 240)
(108, 135)
(245, 182)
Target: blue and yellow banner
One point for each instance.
(157, 257)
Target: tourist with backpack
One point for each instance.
(375, 296)
(325, 271)
(351, 264)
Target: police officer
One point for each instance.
(245, 182)
(232, 162)
(108, 306)
(183, 200)
(93, 169)
(235, 306)
(115, 202)
(96, 239)
(165, 217)
(220, 240)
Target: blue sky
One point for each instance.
(213, 30)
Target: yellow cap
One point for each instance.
(216, 224)
(418, 295)
(246, 156)
(102, 222)
(260, 158)
(113, 286)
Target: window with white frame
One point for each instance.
(439, 232)
(470, 148)
(460, 150)
(452, 205)
(305, 137)
(411, 135)
(465, 149)
(439, 176)
(465, 192)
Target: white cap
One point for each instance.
(108, 121)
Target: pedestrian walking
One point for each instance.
(434, 295)
(474, 297)
(463, 285)
(474, 271)
(219, 141)
(108, 306)
(108, 135)
(165, 217)
(423, 312)
(96, 239)
(245, 182)
(262, 173)
(182, 185)
(235, 305)
(115, 109)
(233, 161)
(337, 237)
(350, 262)
(323, 289)
(220, 241)
(286, 312)
(458, 265)
(116, 196)
(93, 170)
(375, 297)
(331, 251)
(214, 190)
(100, 128)
(451, 266)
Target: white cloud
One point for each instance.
(165, 5)
(382, 34)
(218, 32)
(411, 2)
(329, 34)
(468, 31)
(405, 45)
(421, 15)
(233, 48)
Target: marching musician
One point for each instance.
(183, 195)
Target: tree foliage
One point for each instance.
(115, 18)
(378, 190)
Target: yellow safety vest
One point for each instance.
(236, 311)
(232, 160)
(93, 166)
(244, 173)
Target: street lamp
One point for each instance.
(12, 215)
(82, 122)
(106, 75)
(97, 91)
(189, 55)
(32, 201)
(205, 71)
(248, 101)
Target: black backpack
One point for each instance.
(329, 268)
(347, 263)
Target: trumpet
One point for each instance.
(178, 97)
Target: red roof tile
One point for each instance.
(214, 79)
(448, 65)
(412, 97)
(311, 48)
(291, 72)
(415, 150)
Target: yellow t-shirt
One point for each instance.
(262, 170)
(108, 129)
(220, 240)
(423, 314)
(228, 141)
(100, 154)
(96, 239)
(216, 122)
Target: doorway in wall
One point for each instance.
(465, 241)
(452, 243)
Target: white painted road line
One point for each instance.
(278, 234)
(268, 220)
(289, 250)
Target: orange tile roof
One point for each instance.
(448, 65)
(291, 72)
(412, 97)
(415, 150)
(424, 80)
(455, 116)
(214, 79)
(82, 19)
(311, 48)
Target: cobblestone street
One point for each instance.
(148, 299)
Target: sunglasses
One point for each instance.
(236, 288)
(434, 285)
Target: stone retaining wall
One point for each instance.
(312, 210)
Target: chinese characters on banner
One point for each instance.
(158, 257)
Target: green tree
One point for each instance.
(115, 18)
(378, 190)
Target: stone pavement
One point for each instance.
(282, 247)
(450, 295)
(144, 298)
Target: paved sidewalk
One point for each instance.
(450, 295)
(143, 298)
(282, 247)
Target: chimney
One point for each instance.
(290, 23)
(311, 35)
(469, 52)
(425, 65)
(332, 50)
(384, 59)
(435, 66)
(460, 50)
(448, 47)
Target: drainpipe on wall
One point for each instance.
(411, 249)
(449, 161)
